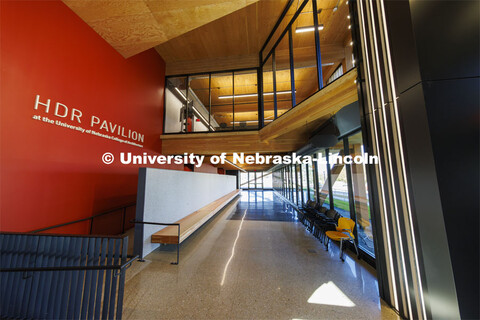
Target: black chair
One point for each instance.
(311, 216)
(307, 211)
(327, 222)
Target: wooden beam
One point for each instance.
(229, 142)
(210, 65)
(326, 102)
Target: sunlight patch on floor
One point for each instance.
(329, 294)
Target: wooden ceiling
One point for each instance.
(133, 26)
(230, 42)
(235, 40)
(207, 35)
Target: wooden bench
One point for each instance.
(189, 224)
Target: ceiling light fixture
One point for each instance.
(251, 121)
(348, 17)
(253, 95)
(308, 29)
(349, 26)
(351, 43)
(336, 6)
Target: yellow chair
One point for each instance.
(344, 233)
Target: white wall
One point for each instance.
(172, 113)
(198, 125)
(169, 195)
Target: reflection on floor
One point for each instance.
(253, 261)
(264, 206)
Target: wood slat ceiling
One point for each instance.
(234, 41)
(207, 49)
(133, 26)
(238, 36)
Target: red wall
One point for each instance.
(51, 174)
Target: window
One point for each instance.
(311, 180)
(251, 180)
(175, 105)
(338, 174)
(304, 55)
(246, 100)
(267, 181)
(258, 180)
(360, 194)
(300, 183)
(244, 180)
(322, 177)
(222, 101)
(298, 176)
(304, 183)
(336, 74)
(293, 183)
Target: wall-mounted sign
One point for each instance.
(62, 115)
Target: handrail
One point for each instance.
(121, 267)
(164, 224)
(124, 207)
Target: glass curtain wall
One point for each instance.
(304, 54)
(323, 180)
(244, 180)
(261, 180)
(176, 105)
(209, 102)
(283, 84)
(360, 194)
(298, 176)
(222, 101)
(293, 183)
(268, 94)
(199, 108)
(312, 182)
(267, 181)
(245, 100)
(305, 186)
(299, 182)
(338, 174)
(310, 47)
(251, 180)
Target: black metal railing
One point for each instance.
(93, 218)
(52, 276)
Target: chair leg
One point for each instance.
(356, 249)
(326, 243)
(341, 250)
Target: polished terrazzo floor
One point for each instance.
(252, 261)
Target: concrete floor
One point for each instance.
(253, 261)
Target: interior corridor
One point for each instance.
(253, 260)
